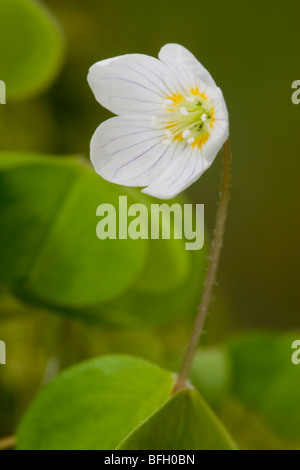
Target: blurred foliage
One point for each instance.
(255, 67)
(139, 297)
(267, 381)
(252, 383)
(212, 374)
(55, 254)
(57, 261)
(31, 47)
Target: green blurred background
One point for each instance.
(252, 51)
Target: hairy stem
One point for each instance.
(210, 279)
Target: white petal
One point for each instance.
(220, 108)
(189, 163)
(220, 127)
(184, 171)
(131, 150)
(133, 84)
(179, 59)
(212, 147)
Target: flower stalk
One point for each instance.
(210, 279)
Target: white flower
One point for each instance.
(172, 120)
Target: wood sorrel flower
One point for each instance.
(172, 120)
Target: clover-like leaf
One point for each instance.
(95, 405)
(185, 422)
(51, 255)
(48, 245)
(119, 402)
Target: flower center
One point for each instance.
(188, 118)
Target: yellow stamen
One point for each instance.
(195, 91)
(212, 117)
(176, 98)
(201, 140)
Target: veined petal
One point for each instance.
(133, 84)
(184, 171)
(131, 150)
(180, 60)
(190, 162)
(219, 131)
(173, 120)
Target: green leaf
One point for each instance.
(158, 277)
(267, 381)
(31, 47)
(168, 286)
(48, 245)
(138, 308)
(185, 422)
(161, 293)
(119, 402)
(94, 405)
(51, 256)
